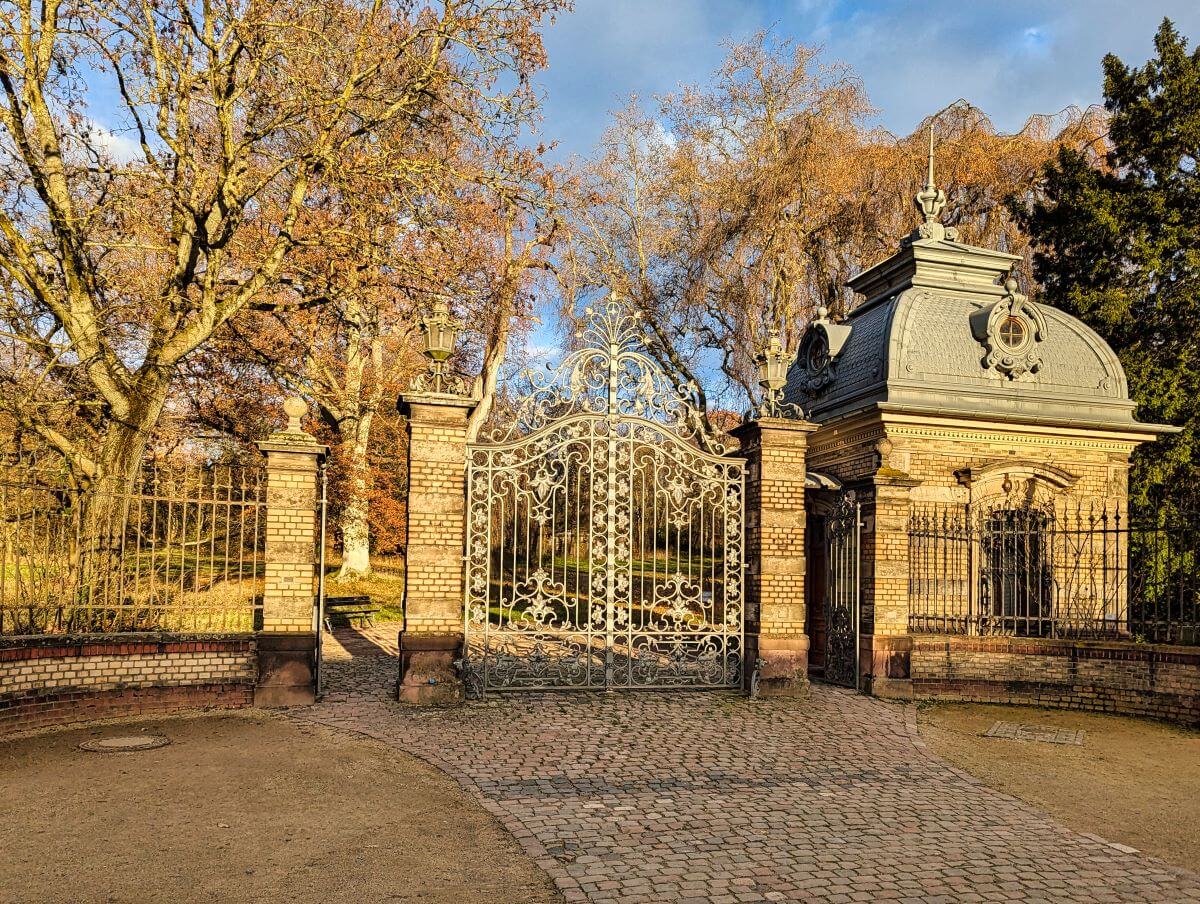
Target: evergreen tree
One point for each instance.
(1117, 243)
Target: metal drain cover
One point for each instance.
(125, 743)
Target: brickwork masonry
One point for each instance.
(1161, 682)
(47, 681)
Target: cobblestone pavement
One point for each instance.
(360, 661)
(715, 798)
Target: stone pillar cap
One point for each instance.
(773, 423)
(293, 437)
(437, 399)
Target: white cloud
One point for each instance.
(608, 49)
(1012, 60)
(117, 148)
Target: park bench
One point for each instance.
(350, 608)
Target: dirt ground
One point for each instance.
(1132, 781)
(246, 808)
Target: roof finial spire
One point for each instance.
(929, 183)
(931, 201)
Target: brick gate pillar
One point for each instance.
(287, 643)
(885, 646)
(775, 450)
(433, 591)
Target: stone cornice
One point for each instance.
(935, 264)
(284, 441)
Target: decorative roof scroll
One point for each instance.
(1011, 332)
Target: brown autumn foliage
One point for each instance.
(750, 200)
(247, 118)
(301, 191)
(477, 229)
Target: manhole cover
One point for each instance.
(125, 743)
(1047, 734)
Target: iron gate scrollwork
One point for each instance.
(842, 596)
(604, 531)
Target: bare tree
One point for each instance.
(113, 271)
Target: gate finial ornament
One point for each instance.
(610, 372)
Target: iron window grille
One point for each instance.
(1067, 570)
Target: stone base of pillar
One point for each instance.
(427, 673)
(784, 668)
(886, 666)
(287, 669)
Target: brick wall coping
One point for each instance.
(1127, 651)
(130, 644)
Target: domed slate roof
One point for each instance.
(943, 330)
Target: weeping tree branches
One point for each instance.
(748, 201)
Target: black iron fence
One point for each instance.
(178, 549)
(1066, 570)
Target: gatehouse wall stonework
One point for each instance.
(897, 463)
(1157, 681)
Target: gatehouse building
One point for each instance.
(986, 439)
(931, 501)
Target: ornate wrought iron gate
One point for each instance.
(843, 533)
(604, 532)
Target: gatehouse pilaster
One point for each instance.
(776, 636)
(885, 645)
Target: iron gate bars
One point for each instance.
(604, 532)
(842, 599)
(177, 548)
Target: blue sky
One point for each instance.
(1011, 59)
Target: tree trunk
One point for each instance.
(95, 554)
(124, 444)
(354, 521)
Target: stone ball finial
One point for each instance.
(822, 313)
(1010, 285)
(295, 408)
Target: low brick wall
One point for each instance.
(60, 680)
(1162, 682)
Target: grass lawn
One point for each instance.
(385, 586)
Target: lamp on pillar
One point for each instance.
(772, 362)
(441, 330)
(437, 408)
